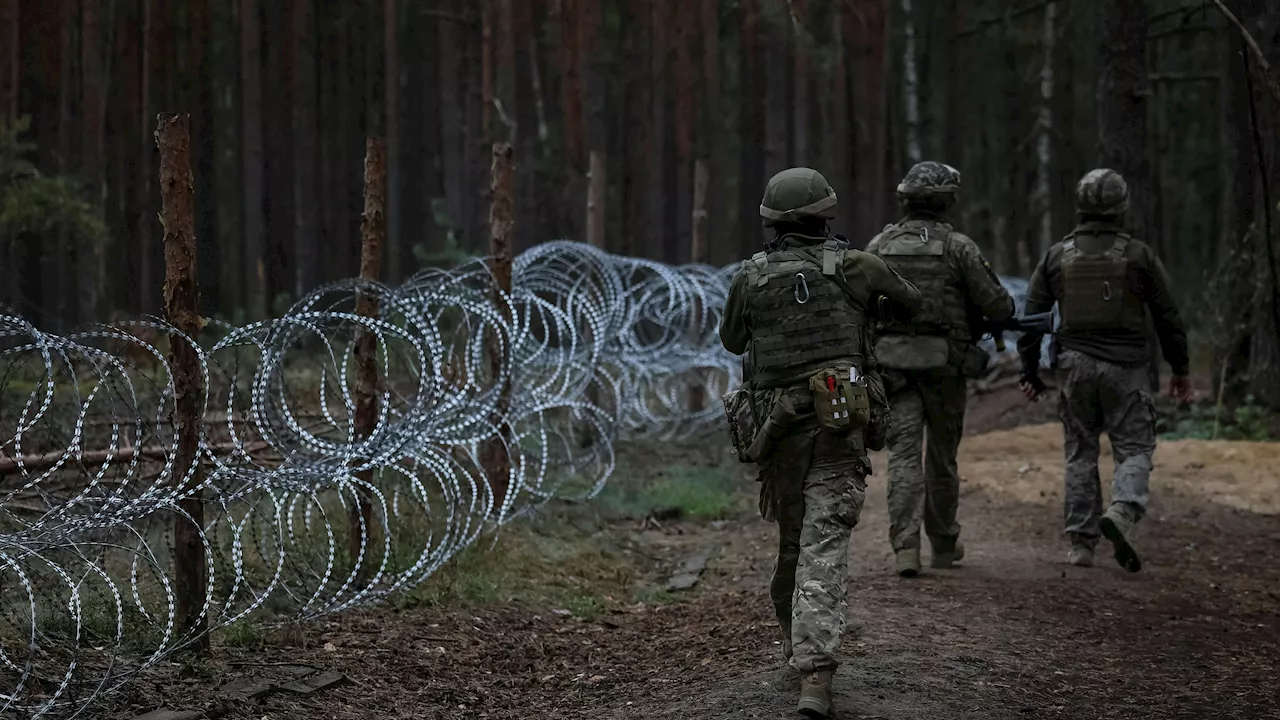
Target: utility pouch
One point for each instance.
(742, 420)
(974, 361)
(912, 352)
(840, 399)
(782, 415)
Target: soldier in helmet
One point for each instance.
(801, 313)
(1104, 283)
(926, 361)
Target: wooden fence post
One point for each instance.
(494, 456)
(699, 255)
(181, 299)
(373, 230)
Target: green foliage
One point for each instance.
(37, 205)
(701, 492)
(1250, 422)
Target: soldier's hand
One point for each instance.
(1033, 387)
(1180, 389)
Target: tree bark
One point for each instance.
(911, 84)
(10, 59)
(373, 231)
(305, 147)
(181, 293)
(713, 131)
(452, 131)
(92, 260)
(596, 193)
(391, 49)
(865, 46)
(1044, 142)
(751, 131)
(1123, 89)
(254, 222)
(495, 457)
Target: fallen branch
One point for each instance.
(1259, 58)
(44, 461)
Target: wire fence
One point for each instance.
(594, 349)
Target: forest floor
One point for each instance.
(568, 615)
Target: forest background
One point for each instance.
(620, 112)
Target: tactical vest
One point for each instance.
(802, 320)
(919, 250)
(1095, 289)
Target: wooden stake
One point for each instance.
(494, 456)
(699, 255)
(373, 230)
(181, 299)
(597, 183)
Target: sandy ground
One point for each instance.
(1014, 633)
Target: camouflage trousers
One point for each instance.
(816, 482)
(924, 483)
(1097, 397)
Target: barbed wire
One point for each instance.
(593, 349)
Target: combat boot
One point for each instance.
(946, 553)
(815, 694)
(907, 562)
(1118, 528)
(1080, 555)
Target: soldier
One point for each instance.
(801, 310)
(1104, 283)
(927, 360)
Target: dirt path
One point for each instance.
(1015, 633)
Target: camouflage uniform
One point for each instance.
(923, 361)
(814, 482)
(1107, 285)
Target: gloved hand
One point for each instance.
(1032, 386)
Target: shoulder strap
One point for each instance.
(1121, 244)
(833, 252)
(760, 261)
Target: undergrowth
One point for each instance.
(1202, 421)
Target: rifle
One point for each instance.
(1038, 323)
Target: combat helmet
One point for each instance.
(930, 180)
(1102, 192)
(796, 194)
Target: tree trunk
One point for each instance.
(452, 131)
(1123, 90)
(713, 130)
(596, 192)
(92, 260)
(252, 158)
(10, 59)
(686, 107)
(657, 191)
(227, 180)
(911, 83)
(181, 292)
(391, 33)
(305, 147)
(1044, 142)
(751, 128)
(865, 46)
(777, 106)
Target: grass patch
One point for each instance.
(531, 564)
(700, 492)
(1201, 421)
